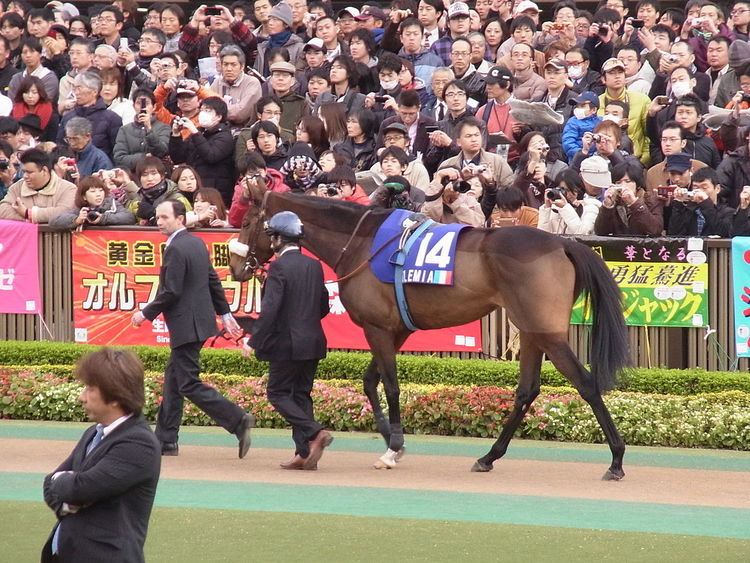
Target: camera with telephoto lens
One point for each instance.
(596, 138)
(93, 215)
(331, 190)
(553, 194)
(4, 164)
(603, 30)
(461, 186)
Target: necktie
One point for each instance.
(92, 444)
(441, 111)
(96, 439)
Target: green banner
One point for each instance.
(664, 282)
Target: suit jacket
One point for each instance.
(190, 293)
(114, 486)
(295, 299)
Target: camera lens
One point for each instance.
(92, 215)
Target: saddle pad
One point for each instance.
(430, 259)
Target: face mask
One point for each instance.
(205, 119)
(580, 113)
(612, 118)
(575, 72)
(679, 89)
(389, 85)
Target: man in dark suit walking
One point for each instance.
(103, 493)
(190, 296)
(289, 335)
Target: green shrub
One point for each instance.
(58, 357)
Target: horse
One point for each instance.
(534, 275)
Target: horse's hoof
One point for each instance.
(387, 460)
(613, 475)
(481, 467)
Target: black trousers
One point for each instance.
(289, 386)
(181, 381)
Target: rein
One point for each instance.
(252, 264)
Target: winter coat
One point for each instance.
(294, 45)
(734, 173)
(567, 221)
(644, 218)
(361, 156)
(572, 134)
(112, 212)
(92, 159)
(683, 222)
(57, 197)
(210, 153)
(240, 204)
(105, 125)
(143, 203)
(133, 143)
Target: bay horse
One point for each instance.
(536, 276)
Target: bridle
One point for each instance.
(252, 264)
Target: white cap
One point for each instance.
(458, 9)
(526, 5)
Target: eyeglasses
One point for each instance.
(460, 53)
(393, 138)
(74, 138)
(738, 11)
(671, 139)
(106, 20)
(147, 40)
(451, 95)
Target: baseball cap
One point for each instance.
(371, 11)
(396, 126)
(183, 91)
(595, 172)
(679, 162)
(526, 5)
(611, 64)
(348, 11)
(283, 66)
(557, 64)
(498, 74)
(315, 43)
(584, 97)
(458, 9)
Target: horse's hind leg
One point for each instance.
(528, 388)
(565, 360)
(371, 381)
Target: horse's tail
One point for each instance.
(610, 351)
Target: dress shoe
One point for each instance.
(243, 433)
(170, 449)
(317, 445)
(297, 462)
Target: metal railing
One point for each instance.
(650, 346)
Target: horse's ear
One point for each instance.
(257, 190)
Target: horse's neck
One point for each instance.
(324, 243)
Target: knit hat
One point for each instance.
(679, 162)
(283, 12)
(595, 172)
(739, 53)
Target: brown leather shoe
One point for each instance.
(317, 445)
(297, 462)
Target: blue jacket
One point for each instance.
(105, 124)
(92, 159)
(573, 133)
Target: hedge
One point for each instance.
(411, 369)
(714, 420)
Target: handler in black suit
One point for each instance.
(289, 335)
(190, 296)
(103, 493)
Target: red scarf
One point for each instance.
(42, 109)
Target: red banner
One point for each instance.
(117, 272)
(19, 268)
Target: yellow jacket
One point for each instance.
(636, 121)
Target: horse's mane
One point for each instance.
(339, 216)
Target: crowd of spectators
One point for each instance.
(107, 113)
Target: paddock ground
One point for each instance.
(543, 502)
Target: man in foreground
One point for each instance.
(103, 493)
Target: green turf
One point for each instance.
(719, 460)
(190, 535)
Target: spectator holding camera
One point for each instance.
(537, 168)
(88, 158)
(209, 148)
(394, 161)
(155, 188)
(628, 209)
(741, 221)
(94, 207)
(450, 198)
(189, 95)
(341, 183)
(673, 140)
(253, 172)
(41, 195)
(583, 120)
(734, 172)
(567, 209)
(209, 207)
(511, 210)
(696, 211)
(145, 136)
(605, 142)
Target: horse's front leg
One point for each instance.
(384, 345)
(371, 381)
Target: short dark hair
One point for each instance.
(633, 169)
(31, 43)
(663, 28)
(266, 127)
(621, 104)
(251, 160)
(396, 152)
(5, 148)
(178, 208)
(674, 125)
(217, 104)
(36, 156)
(692, 101)
(411, 21)
(84, 42)
(8, 125)
(455, 83)
(157, 34)
(367, 120)
(510, 199)
(44, 13)
(117, 374)
(144, 93)
(522, 21)
(409, 99)
(150, 162)
(261, 104)
(13, 20)
(437, 4)
(469, 121)
(366, 37)
(322, 73)
(720, 39)
(114, 10)
(607, 16)
(342, 174)
(706, 173)
(350, 66)
(389, 61)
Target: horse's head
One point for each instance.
(253, 247)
